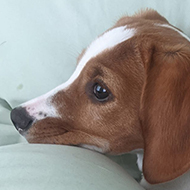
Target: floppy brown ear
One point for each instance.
(150, 14)
(165, 115)
(144, 14)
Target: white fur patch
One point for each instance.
(107, 41)
(92, 147)
(140, 161)
(41, 107)
(171, 27)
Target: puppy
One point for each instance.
(130, 90)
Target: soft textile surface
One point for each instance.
(39, 44)
(50, 167)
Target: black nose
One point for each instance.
(21, 119)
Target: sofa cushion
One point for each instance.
(32, 166)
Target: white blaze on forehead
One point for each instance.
(107, 41)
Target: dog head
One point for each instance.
(130, 90)
(89, 110)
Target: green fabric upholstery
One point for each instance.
(47, 167)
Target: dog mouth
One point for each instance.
(45, 130)
(51, 130)
(22, 131)
(26, 124)
(68, 138)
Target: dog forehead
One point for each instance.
(107, 41)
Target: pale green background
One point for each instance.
(39, 43)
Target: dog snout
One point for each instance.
(21, 119)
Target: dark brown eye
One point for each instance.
(100, 92)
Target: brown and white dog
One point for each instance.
(130, 90)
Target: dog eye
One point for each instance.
(100, 92)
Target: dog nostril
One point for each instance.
(21, 119)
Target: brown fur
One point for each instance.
(149, 79)
(165, 115)
(101, 120)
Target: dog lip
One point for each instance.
(21, 131)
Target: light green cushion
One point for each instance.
(53, 167)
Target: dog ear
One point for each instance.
(165, 114)
(145, 14)
(150, 14)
